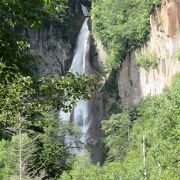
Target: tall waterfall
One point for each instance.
(80, 64)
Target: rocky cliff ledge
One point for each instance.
(135, 83)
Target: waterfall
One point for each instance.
(80, 64)
(80, 61)
(84, 10)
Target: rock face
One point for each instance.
(55, 42)
(135, 83)
(54, 52)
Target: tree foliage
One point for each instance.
(27, 14)
(147, 60)
(24, 98)
(121, 25)
(117, 132)
(34, 155)
(151, 151)
(32, 143)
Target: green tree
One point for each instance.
(152, 151)
(55, 155)
(121, 28)
(117, 132)
(24, 99)
(30, 154)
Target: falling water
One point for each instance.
(80, 64)
(84, 10)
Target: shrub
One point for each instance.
(147, 60)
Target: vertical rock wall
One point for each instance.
(54, 52)
(135, 83)
(55, 42)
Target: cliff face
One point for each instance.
(135, 83)
(54, 52)
(55, 42)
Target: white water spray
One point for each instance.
(80, 64)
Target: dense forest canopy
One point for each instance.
(140, 142)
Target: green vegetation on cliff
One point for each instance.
(121, 25)
(147, 60)
(141, 141)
